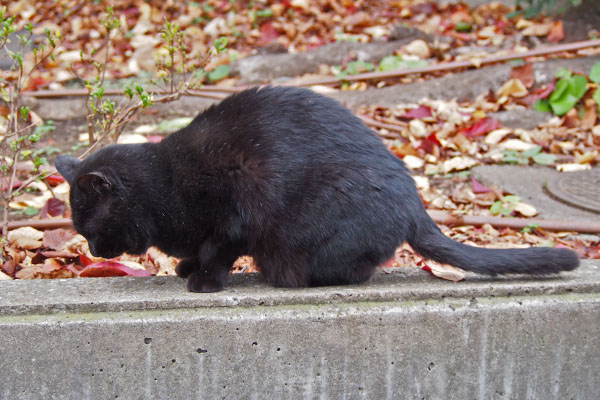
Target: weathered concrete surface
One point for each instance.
(405, 335)
(462, 85)
(268, 67)
(529, 184)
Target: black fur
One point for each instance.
(288, 176)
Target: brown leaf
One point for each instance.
(524, 73)
(56, 239)
(51, 269)
(588, 121)
(9, 267)
(557, 32)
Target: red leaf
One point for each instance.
(85, 260)
(539, 93)
(53, 207)
(55, 179)
(557, 33)
(482, 127)
(429, 143)
(36, 83)
(267, 34)
(478, 187)
(544, 92)
(110, 268)
(418, 113)
(16, 184)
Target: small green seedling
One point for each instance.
(534, 154)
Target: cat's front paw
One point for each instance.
(185, 267)
(200, 283)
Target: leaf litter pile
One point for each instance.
(438, 140)
(454, 31)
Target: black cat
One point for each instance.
(285, 175)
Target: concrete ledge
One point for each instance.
(403, 335)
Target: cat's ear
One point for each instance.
(67, 166)
(94, 182)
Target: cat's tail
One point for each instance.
(430, 242)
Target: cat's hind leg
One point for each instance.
(283, 267)
(343, 262)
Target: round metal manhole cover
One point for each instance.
(579, 189)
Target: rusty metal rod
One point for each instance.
(212, 90)
(451, 65)
(442, 217)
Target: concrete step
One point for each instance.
(404, 335)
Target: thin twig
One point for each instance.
(209, 90)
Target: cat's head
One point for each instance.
(106, 209)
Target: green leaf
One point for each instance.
(510, 156)
(597, 96)
(463, 27)
(542, 105)
(221, 44)
(563, 73)
(511, 198)
(266, 13)
(391, 63)
(30, 211)
(532, 152)
(24, 113)
(578, 86)
(544, 158)
(561, 88)
(357, 67)
(595, 73)
(388, 63)
(564, 104)
(220, 72)
(496, 208)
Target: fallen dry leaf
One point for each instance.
(3, 276)
(572, 167)
(26, 238)
(56, 239)
(524, 73)
(51, 269)
(527, 210)
(513, 87)
(111, 268)
(557, 32)
(444, 271)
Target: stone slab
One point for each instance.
(404, 335)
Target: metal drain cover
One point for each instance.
(579, 189)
